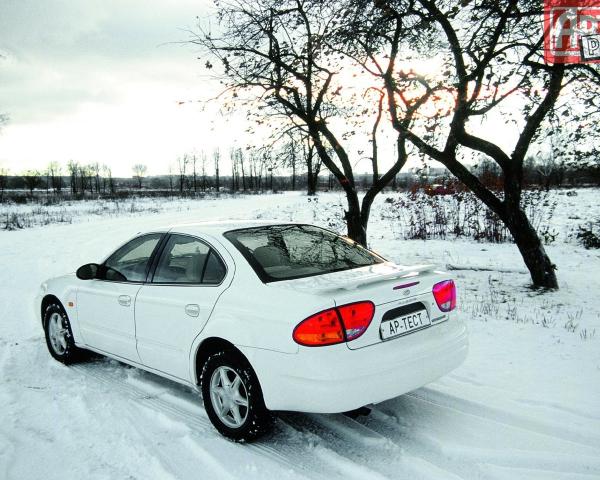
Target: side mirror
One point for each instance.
(87, 271)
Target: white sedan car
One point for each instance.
(260, 317)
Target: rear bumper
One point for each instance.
(336, 379)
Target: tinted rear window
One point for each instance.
(284, 252)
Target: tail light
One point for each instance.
(356, 317)
(445, 295)
(323, 328)
(335, 325)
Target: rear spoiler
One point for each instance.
(404, 272)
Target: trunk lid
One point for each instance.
(387, 285)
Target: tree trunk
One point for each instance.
(311, 184)
(356, 230)
(532, 250)
(243, 172)
(310, 176)
(233, 172)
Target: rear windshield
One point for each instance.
(284, 252)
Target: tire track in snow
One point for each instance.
(315, 446)
(197, 419)
(378, 455)
(325, 450)
(173, 446)
(412, 459)
(450, 454)
(493, 414)
(293, 453)
(558, 407)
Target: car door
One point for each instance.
(105, 305)
(172, 309)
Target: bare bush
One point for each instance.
(463, 215)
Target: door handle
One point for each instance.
(125, 300)
(192, 310)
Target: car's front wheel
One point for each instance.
(233, 399)
(59, 336)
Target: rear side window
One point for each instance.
(189, 260)
(214, 271)
(285, 252)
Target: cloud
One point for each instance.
(61, 53)
(111, 28)
(100, 79)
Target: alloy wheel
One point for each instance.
(57, 332)
(229, 397)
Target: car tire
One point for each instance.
(233, 398)
(59, 336)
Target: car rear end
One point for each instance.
(409, 342)
(389, 330)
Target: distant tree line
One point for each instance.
(259, 170)
(252, 169)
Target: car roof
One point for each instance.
(220, 227)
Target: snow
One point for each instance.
(523, 405)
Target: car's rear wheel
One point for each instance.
(59, 336)
(233, 399)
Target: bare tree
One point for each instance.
(73, 168)
(54, 173)
(95, 171)
(139, 172)
(269, 163)
(32, 180)
(546, 166)
(256, 169)
(194, 173)
(86, 175)
(107, 180)
(313, 166)
(216, 161)
(203, 169)
(234, 169)
(171, 178)
(273, 52)
(488, 52)
(240, 158)
(290, 156)
(299, 148)
(182, 164)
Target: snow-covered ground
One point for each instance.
(525, 404)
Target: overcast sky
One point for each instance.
(114, 82)
(102, 80)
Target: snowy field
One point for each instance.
(524, 405)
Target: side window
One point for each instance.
(188, 260)
(131, 260)
(215, 270)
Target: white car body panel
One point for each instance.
(156, 333)
(336, 379)
(169, 317)
(106, 316)
(65, 289)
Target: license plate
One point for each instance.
(404, 324)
